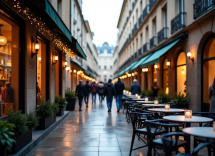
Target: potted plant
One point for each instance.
(180, 100)
(61, 104)
(32, 120)
(148, 93)
(6, 133)
(163, 97)
(46, 114)
(71, 99)
(23, 135)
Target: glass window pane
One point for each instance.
(181, 59)
(181, 78)
(209, 49)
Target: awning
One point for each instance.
(127, 69)
(140, 62)
(81, 67)
(155, 57)
(45, 10)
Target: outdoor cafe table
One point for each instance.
(166, 112)
(146, 102)
(135, 99)
(204, 132)
(153, 105)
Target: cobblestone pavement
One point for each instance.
(92, 132)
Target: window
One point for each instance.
(105, 50)
(104, 67)
(165, 77)
(59, 7)
(154, 27)
(110, 67)
(99, 67)
(147, 35)
(181, 73)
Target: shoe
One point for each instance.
(117, 110)
(108, 109)
(87, 106)
(80, 110)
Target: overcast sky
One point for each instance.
(103, 16)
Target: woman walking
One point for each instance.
(101, 90)
(212, 97)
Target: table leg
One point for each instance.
(187, 148)
(213, 150)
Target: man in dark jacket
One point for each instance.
(135, 88)
(88, 89)
(119, 87)
(80, 90)
(94, 91)
(109, 92)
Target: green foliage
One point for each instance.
(142, 93)
(6, 133)
(127, 88)
(179, 98)
(163, 96)
(69, 94)
(146, 92)
(55, 108)
(32, 120)
(61, 101)
(18, 120)
(45, 109)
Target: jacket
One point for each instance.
(119, 87)
(110, 90)
(101, 89)
(135, 88)
(80, 90)
(93, 88)
(87, 88)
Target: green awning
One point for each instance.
(81, 67)
(140, 62)
(155, 57)
(45, 10)
(129, 67)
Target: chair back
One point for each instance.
(167, 145)
(134, 121)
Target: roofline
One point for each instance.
(120, 13)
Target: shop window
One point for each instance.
(154, 75)
(165, 77)
(181, 73)
(208, 67)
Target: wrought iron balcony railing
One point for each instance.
(140, 20)
(152, 3)
(135, 55)
(146, 47)
(145, 12)
(200, 7)
(178, 22)
(140, 51)
(134, 29)
(153, 42)
(163, 34)
(132, 5)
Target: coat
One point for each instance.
(80, 90)
(93, 88)
(212, 98)
(135, 89)
(119, 87)
(7, 94)
(101, 89)
(87, 88)
(110, 90)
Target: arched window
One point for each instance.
(181, 69)
(165, 77)
(208, 67)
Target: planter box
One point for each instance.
(21, 141)
(3, 151)
(46, 122)
(182, 106)
(71, 103)
(61, 111)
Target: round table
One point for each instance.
(138, 99)
(146, 102)
(153, 105)
(162, 110)
(204, 132)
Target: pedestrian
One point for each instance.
(212, 97)
(88, 89)
(81, 92)
(101, 90)
(110, 93)
(135, 88)
(119, 87)
(94, 91)
(155, 90)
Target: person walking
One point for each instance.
(101, 90)
(94, 91)
(155, 90)
(212, 97)
(88, 89)
(119, 87)
(135, 88)
(81, 92)
(109, 93)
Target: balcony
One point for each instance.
(140, 20)
(200, 7)
(134, 29)
(132, 5)
(163, 34)
(145, 12)
(129, 12)
(153, 42)
(152, 3)
(135, 55)
(140, 51)
(146, 47)
(178, 22)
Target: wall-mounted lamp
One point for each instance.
(156, 66)
(145, 70)
(132, 74)
(189, 55)
(168, 64)
(74, 71)
(3, 39)
(39, 58)
(55, 58)
(67, 68)
(70, 71)
(129, 75)
(65, 65)
(35, 46)
(78, 72)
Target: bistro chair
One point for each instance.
(123, 101)
(169, 144)
(129, 107)
(156, 128)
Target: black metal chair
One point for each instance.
(124, 99)
(129, 107)
(169, 144)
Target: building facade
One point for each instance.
(169, 42)
(105, 55)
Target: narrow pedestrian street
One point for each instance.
(91, 132)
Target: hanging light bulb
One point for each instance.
(3, 39)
